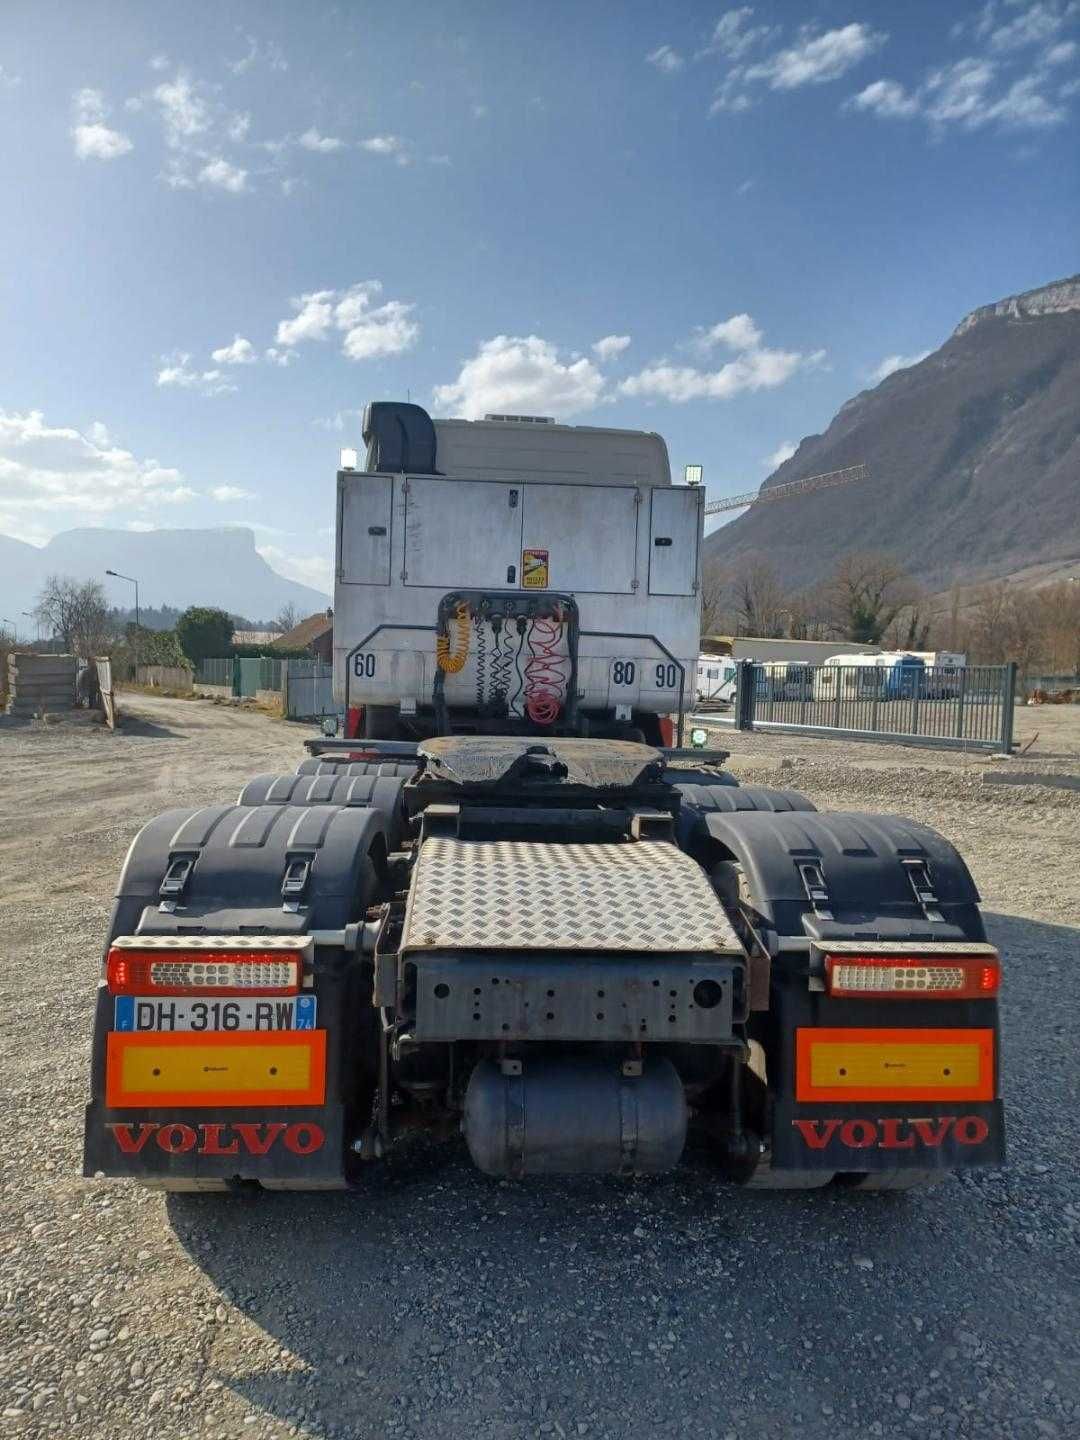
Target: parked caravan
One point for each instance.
(890, 676)
(944, 672)
(715, 680)
(785, 680)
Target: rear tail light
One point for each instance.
(188, 968)
(908, 977)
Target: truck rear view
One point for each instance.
(512, 576)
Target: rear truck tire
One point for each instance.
(866, 1182)
(380, 722)
(764, 1177)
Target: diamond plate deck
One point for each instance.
(527, 895)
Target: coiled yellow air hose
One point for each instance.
(451, 662)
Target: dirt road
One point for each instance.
(435, 1302)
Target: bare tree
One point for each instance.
(762, 604)
(713, 587)
(287, 619)
(76, 614)
(869, 591)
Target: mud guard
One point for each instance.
(850, 876)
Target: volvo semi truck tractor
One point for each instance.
(506, 905)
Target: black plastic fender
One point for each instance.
(383, 769)
(867, 864)
(699, 803)
(228, 866)
(376, 792)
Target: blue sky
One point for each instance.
(226, 227)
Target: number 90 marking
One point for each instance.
(667, 676)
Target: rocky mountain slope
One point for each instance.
(974, 456)
(174, 567)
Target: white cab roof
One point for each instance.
(570, 454)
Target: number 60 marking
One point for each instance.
(364, 667)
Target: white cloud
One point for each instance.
(738, 333)
(320, 144)
(283, 358)
(176, 373)
(815, 59)
(610, 346)
(237, 126)
(886, 98)
(665, 59)
(755, 367)
(94, 140)
(73, 476)
(892, 363)
(512, 374)
(368, 330)
(159, 62)
(393, 147)
(1033, 26)
(311, 570)
(784, 451)
(270, 54)
(733, 37)
(224, 494)
(184, 112)
(8, 79)
(222, 175)
(1001, 86)
(239, 352)
(314, 317)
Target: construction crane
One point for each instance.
(791, 489)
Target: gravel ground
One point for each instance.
(435, 1302)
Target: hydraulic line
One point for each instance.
(451, 661)
(545, 671)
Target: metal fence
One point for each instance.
(215, 672)
(969, 708)
(306, 686)
(309, 690)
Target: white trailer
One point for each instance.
(715, 680)
(558, 564)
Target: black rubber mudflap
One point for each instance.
(376, 792)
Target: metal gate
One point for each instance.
(309, 690)
(965, 708)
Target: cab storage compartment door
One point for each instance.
(675, 529)
(589, 533)
(463, 534)
(364, 529)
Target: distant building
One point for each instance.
(315, 634)
(255, 637)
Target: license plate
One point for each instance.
(142, 1012)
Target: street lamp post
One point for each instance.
(131, 581)
(14, 630)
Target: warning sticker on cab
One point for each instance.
(534, 569)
